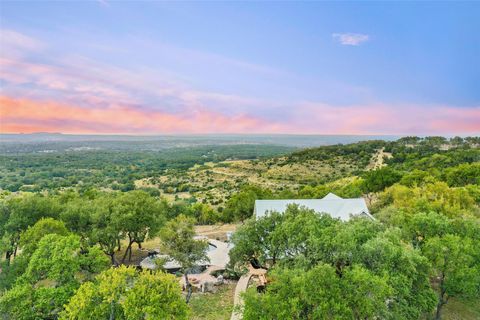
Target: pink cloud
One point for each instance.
(380, 118)
(25, 115)
(82, 81)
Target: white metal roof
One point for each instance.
(331, 204)
(331, 196)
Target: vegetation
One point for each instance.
(70, 222)
(55, 270)
(124, 293)
(179, 244)
(213, 306)
(359, 260)
(31, 169)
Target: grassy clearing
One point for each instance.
(213, 306)
(457, 309)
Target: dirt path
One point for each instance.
(242, 285)
(378, 159)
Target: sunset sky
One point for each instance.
(211, 67)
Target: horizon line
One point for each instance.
(241, 134)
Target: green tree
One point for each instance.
(255, 242)
(106, 227)
(434, 141)
(300, 240)
(54, 272)
(22, 212)
(204, 214)
(405, 270)
(178, 242)
(463, 174)
(96, 221)
(416, 178)
(423, 226)
(437, 196)
(320, 293)
(124, 293)
(409, 140)
(140, 216)
(456, 141)
(378, 180)
(303, 237)
(456, 267)
(30, 238)
(29, 241)
(449, 244)
(240, 206)
(77, 216)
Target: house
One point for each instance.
(331, 204)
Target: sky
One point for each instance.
(108, 67)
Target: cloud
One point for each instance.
(80, 80)
(27, 115)
(350, 39)
(379, 118)
(13, 39)
(13, 43)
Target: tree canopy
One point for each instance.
(55, 270)
(124, 293)
(301, 245)
(179, 244)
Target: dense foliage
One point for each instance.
(358, 152)
(124, 293)
(53, 273)
(361, 260)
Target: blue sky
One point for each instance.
(243, 67)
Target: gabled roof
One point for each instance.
(331, 204)
(331, 196)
